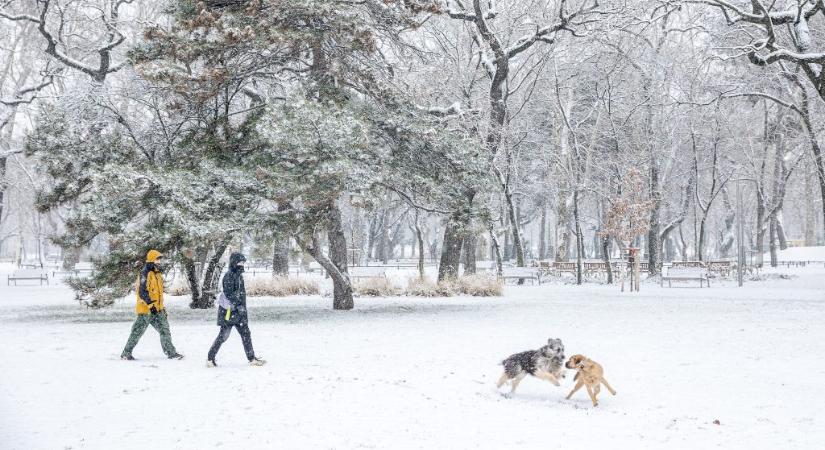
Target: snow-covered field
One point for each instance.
(401, 373)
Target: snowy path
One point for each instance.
(420, 373)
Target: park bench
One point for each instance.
(692, 264)
(84, 267)
(27, 275)
(594, 268)
(564, 267)
(685, 274)
(67, 273)
(521, 273)
(362, 272)
(722, 268)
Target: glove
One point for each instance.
(240, 309)
(153, 310)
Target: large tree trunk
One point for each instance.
(451, 249)
(543, 232)
(654, 244)
(470, 246)
(810, 208)
(342, 288)
(420, 238)
(562, 227)
(700, 248)
(579, 237)
(819, 157)
(211, 278)
(773, 240)
(780, 231)
(606, 257)
(760, 229)
(496, 252)
(280, 257)
(727, 235)
(192, 279)
(512, 213)
(2, 183)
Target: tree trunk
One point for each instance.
(654, 244)
(420, 240)
(280, 257)
(2, 184)
(760, 229)
(780, 232)
(451, 249)
(470, 245)
(209, 284)
(496, 252)
(192, 279)
(772, 238)
(579, 240)
(810, 214)
(507, 253)
(543, 232)
(563, 227)
(342, 288)
(819, 157)
(606, 257)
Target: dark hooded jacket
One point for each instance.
(235, 292)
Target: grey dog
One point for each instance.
(546, 363)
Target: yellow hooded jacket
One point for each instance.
(152, 282)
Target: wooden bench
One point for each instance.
(723, 268)
(71, 272)
(356, 273)
(685, 274)
(27, 275)
(521, 273)
(564, 267)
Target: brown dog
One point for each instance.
(588, 373)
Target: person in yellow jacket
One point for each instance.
(149, 308)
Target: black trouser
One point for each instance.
(223, 335)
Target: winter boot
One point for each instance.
(176, 356)
(127, 357)
(210, 363)
(256, 362)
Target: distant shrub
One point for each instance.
(279, 287)
(480, 285)
(418, 287)
(375, 287)
(474, 285)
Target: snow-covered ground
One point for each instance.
(798, 254)
(400, 373)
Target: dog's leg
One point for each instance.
(549, 377)
(604, 382)
(592, 395)
(502, 380)
(516, 381)
(579, 385)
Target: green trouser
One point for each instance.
(160, 323)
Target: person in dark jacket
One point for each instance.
(232, 312)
